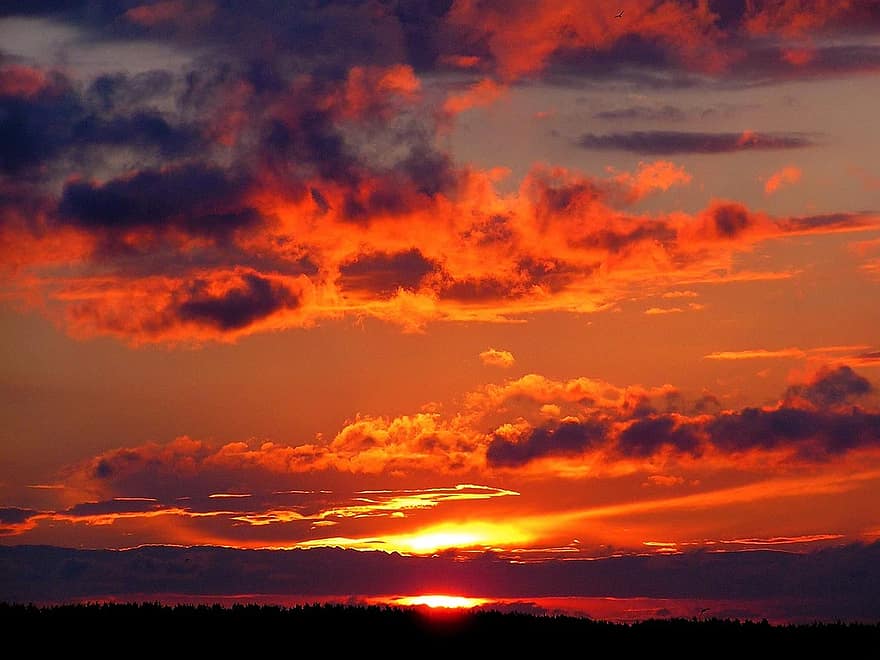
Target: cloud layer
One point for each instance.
(307, 180)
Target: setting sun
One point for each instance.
(439, 601)
(465, 535)
(427, 541)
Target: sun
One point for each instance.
(435, 601)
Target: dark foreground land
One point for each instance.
(142, 630)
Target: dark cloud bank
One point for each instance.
(829, 584)
(817, 421)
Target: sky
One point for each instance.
(545, 281)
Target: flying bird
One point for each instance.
(619, 14)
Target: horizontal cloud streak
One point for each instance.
(665, 143)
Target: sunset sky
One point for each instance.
(525, 277)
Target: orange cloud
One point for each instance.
(522, 37)
(369, 90)
(792, 352)
(658, 311)
(214, 305)
(788, 175)
(495, 358)
(480, 94)
(525, 433)
(544, 256)
(316, 230)
(759, 353)
(660, 176)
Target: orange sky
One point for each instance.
(522, 277)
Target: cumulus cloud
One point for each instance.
(569, 438)
(832, 387)
(813, 421)
(497, 358)
(539, 424)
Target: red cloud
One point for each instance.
(16, 80)
(523, 36)
(170, 11)
(794, 18)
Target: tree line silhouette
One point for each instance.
(140, 629)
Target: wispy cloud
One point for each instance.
(791, 352)
(787, 176)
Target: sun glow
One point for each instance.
(446, 536)
(439, 601)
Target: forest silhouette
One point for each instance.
(118, 629)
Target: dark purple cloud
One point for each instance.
(385, 273)
(648, 436)
(618, 241)
(13, 518)
(551, 274)
(731, 220)
(763, 65)
(143, 129)
(60, 125)
(480, 289)
(111, 507)
(832, 387)
(115, 92)
(642, 113)
(201, 200)
(678, 142)
(816, 421)
(34, 130)
(15, 515)
(567, 439)
(825, 221)
(257, 298)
